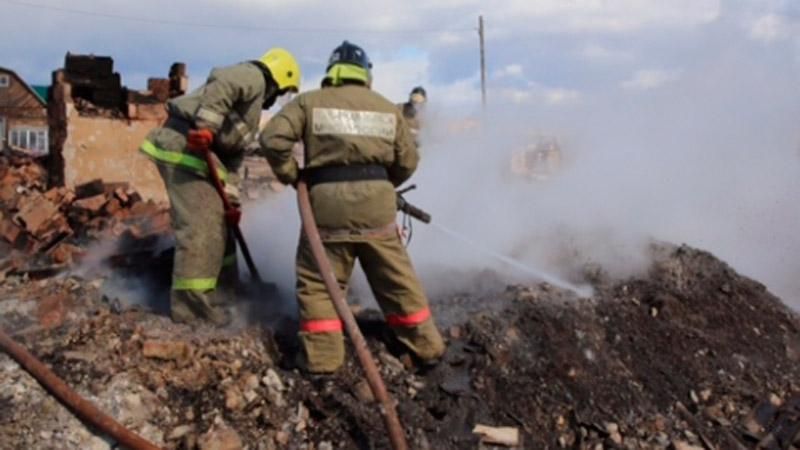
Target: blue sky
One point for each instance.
(550, 51)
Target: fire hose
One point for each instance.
(83, 408)
(397, 436)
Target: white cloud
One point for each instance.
(511, 70)
(449, 38)
(560, 96)
(770, 28)
(599, 53)
(608, 15)
(650, 79)
(516, 96)
(394, 78)
(534, 95)
(459, 93)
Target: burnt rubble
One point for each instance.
(690, 355)
(47, 230)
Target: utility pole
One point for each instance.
(483, 62)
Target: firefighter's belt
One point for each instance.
(336, 174)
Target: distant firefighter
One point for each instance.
(413, 108)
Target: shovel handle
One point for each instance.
(226, 204)
(215, 180)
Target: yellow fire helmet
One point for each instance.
(284, 68)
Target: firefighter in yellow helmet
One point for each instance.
(357, 150)
(223, 114)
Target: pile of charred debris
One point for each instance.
(688, 356)
(46, 230)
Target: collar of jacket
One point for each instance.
(271, 89)
(342, 73)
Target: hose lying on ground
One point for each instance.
(81, 407)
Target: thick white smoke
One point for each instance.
(710, 159)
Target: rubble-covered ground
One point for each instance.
(45, 230)
(690, 355)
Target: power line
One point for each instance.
(226, 26)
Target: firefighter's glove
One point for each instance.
(199, 140)
(233, 216)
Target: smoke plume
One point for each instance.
(710, 159)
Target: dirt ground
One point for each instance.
(690, 356)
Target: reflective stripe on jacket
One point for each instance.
(180, 159)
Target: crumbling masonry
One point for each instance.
(97, 124)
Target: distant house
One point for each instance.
(23, 115)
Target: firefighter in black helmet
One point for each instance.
(413, 108)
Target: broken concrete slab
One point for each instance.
(507, 436)
(220, 437)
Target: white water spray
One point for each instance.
(581, 291)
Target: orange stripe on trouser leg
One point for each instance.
(409, 320)
(322, 326)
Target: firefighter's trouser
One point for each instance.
(394, 284)
(204, 274)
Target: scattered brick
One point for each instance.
(90, 189)
(53, 226)
(52, 310)
(34, 213)
(91, 204)
(9, 231)
(166, 350)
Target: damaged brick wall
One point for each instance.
(97, 125)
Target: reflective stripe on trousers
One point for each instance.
(180, 159)
(408, 320)
(194, 284)
(394, 320)
(322, 326)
